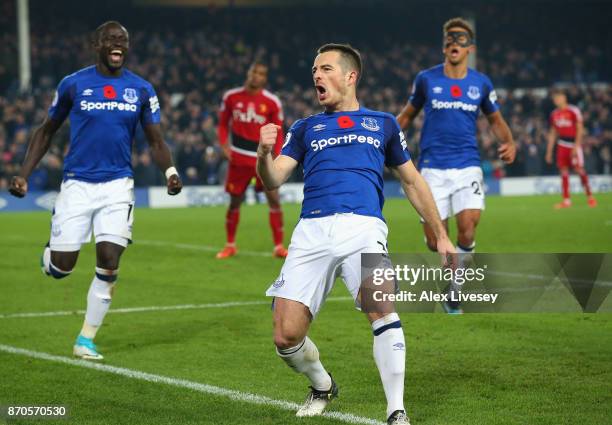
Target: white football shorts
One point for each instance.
(323, 249)
(455, 189)
(106, 208)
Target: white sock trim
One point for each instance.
(389, 318)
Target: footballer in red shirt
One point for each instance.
(244, 110)
(566, 129)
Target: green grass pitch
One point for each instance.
(521, 369)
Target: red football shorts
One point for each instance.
(565, 160)
(239, 177)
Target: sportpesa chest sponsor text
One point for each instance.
(321, 144)
(456, 104)
(108, 106)
(118, 106)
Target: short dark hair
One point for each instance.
(458, 22)
(98, 31)
(258, 62)
(557, 91)
(350, 56)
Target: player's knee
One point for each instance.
(64, 260)
(274, 202)
(235, 202)
(57, 272)
(465, 237)
(57, 265)
(108, 258)
(287, 340)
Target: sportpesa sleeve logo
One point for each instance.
(493, 96)
(287, 139)
(154, 104)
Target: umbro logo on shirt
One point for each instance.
(319, 127)
(437, 90)
(87, 92)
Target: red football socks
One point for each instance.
(231, 224)
(276, 224)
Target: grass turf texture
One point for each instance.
(471, 369)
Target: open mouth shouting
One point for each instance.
(321, 92)
(116, 57)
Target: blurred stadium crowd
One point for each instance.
(192, 57)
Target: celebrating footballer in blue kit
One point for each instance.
(105, 103)
(452, 96)
(343, 151)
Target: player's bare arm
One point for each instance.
(273, 172)
(407, 115)
(162, 157)
(222, 134)
(38, 147)
(507, 150)
(418, 193)
(551, 136)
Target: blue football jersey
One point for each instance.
(343, 155)
(104, 113)
(448, 137)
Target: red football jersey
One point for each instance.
(244, 114)
(565, 121)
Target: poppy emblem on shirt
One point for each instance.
(109, 92)
(345, 122)
(456, 91)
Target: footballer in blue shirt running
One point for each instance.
(105, 103)
(343, 151)
(452, 96)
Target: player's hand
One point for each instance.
(175, 185)
(507, 152)
(226, 151)
(18, 186)
(548, 157)
(267, 139)
(575, 152)
(447, 250)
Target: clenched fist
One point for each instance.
(267, 139)
(175, 185)
(507, 152)
(18, 186)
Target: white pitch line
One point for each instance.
(183, 383)
(563, 279)
(209, 248)
(152, 308)
(205, 248)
